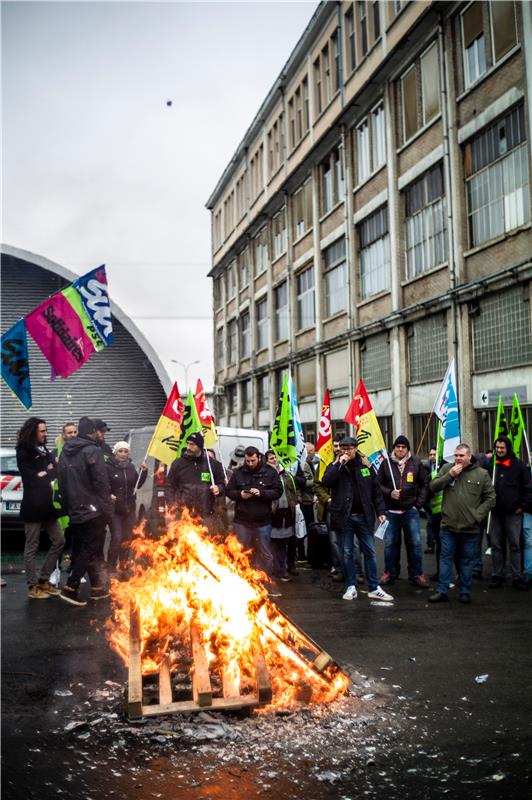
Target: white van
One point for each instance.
(150, 497)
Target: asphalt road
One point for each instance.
(425, 726)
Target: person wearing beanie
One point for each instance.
(403, 481)
(123, 478)
(513, 491)
(86, 495)
(194, 481)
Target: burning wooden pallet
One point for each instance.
(203, 688)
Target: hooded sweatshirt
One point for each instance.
(83, 481)
(512, 480)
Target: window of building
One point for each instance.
(280, 241)
(262, 258)
(306, 314)
(245, 396)
(428, 356)
(229, 216)
(275, 146)
(370, 143)
(474, 44)
(256, 170)
(420, 92)
(245, 335)
(281, 311)
(425, 216)
(501, 330)
(240, 197)
(504, 28)
(363, 27)
(374, 253)
(480, 47)
(217, 229)
(232, 342)
(335, 278)
(375, 362)
(217, 286)
(230, 393)
(230, 283)
(496, 167)
(337, 372)
(424, 433)
(303, 209)
(306, 379)
(327, 73)
(298, 114)
(278, 378)
(332, 181)
(220, 348)
(261, 317)
(243, 268)
(376, 20)
(263, 392)
(350, 47)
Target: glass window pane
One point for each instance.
(504, 30)
(430, 82)
(472, 23)
(306, 379)
(410, 104)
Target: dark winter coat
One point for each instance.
(189, 483)
(340, 479)
(467, 498)
(83, 481)
(256, 511)
(413, 484)
(123, 479)
(512, 481)
(37, 498)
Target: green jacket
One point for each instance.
(466, 499)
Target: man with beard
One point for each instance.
(195, 481)
(254, 487)
(85, 491)
(37, 471)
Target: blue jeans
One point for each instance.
(527, 546)
(335, 539)
(259, 539)
(460, 548)
(408, 522)
(356, 525)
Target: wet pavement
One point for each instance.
(421, 718)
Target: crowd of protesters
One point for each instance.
(288, 520)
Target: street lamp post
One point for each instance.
(186, 368)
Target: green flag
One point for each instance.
(517, 426)
(439, 447)
(191, 423)
(501, 426)
(283, 436)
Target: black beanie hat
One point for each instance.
(86, 426)
(402, 440)
(197, 438)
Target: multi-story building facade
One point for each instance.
(375, 220)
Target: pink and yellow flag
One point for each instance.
(205, 415)
(167, 435)
(324, 445)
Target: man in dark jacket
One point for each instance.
(467, 497)
(512, 485)
(254, 487)
(355, 501)
(195, 481)
(37, 471)
(403, 481)
(84, 488)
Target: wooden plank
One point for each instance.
(165, 686)
(201, 682)
(262, 675)
(134, 685)
(189, 706)
(321, 661)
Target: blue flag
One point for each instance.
(94, 293)
(15, 363)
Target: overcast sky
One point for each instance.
(97, 168)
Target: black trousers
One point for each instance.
(86, 545)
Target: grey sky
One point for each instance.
(97, 168)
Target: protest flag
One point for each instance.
(367, 429)
(324, 445)
(501, 425)
(517, 426)
(15, 362)
(205, 415)
(301, 450)
(446, 409)
(283, 436)
(166, 437)
(93, 290)
(191, 422)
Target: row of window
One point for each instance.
(498, 201)
(500, 334)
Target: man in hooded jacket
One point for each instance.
(86, 495)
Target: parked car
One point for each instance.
(10, 489)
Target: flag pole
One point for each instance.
(390, 467)
(209, 465)
(140, 468)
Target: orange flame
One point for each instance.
(186, 577)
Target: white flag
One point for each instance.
(446, 409)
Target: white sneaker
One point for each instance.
(351, 593)
(380, 594)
